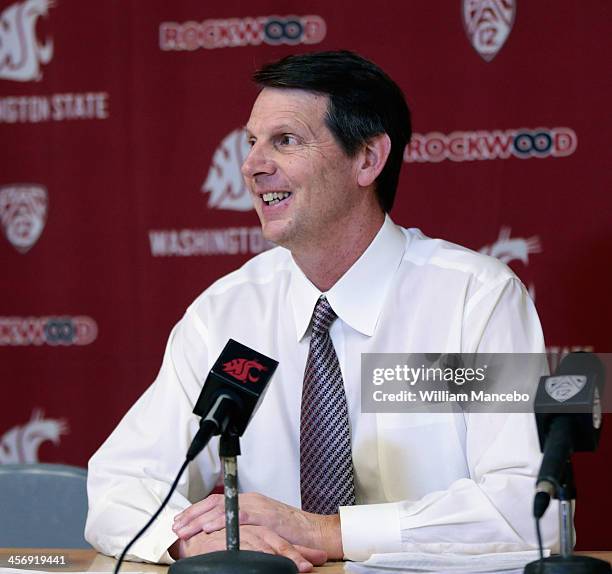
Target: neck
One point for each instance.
(327, 261)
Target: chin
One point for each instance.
(275, 232)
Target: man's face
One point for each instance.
(294, 154)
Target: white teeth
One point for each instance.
(274, 198)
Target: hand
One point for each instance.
(292, 524)
(252, 538)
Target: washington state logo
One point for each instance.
(224, 181)
(21, 54)
(20, 444)
(23, 214)
(488, 24)
(241, 369)
(508, 249)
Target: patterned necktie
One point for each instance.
(326, 466)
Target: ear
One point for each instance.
(373, 159)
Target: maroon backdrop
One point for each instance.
(120, 196)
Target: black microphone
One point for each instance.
(569, 419)
(231, 393)
(229, 397)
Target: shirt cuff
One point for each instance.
(153, 546)
(370, 529)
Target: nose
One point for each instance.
(257, 162)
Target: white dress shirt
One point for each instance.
(424, 482)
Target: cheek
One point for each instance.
(335, 177)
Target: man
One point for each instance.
(320, 478)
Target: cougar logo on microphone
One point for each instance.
(23, 213)
(565, 387)
(224, 181)
(241, 369)
(488, 24)
(20, 52)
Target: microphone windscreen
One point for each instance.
(240, 373)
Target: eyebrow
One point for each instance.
(279, 128)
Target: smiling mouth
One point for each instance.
(273, 198)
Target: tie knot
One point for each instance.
(323, 315)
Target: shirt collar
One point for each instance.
(358, 296)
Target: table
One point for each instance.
(89, 560)
(92, 561)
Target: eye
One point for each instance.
(287, 139)
(250, 141)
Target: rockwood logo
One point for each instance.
(520, 143)
(488, 24)
(235, 32)
(21, 54)
(224, 181)
(508, 249)
(20, 444)
(240, 369)
(54, 331)
(23, 213)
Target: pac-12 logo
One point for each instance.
(224, 181)
(242, 369)
(23, 213)
(488, 24)
(21, 54)
(564, 387)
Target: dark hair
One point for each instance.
(363, 102)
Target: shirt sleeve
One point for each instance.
(131, 473)
(490, 510)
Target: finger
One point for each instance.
(258, 544)
(215, 520)
(284, 548)
(197, 509)
(209, 522)
(289, 551)
(201, 544)
(261, 546)
(314, 555)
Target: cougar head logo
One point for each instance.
(20, 52)
(488, 24)
(21, 443)
(241, 369)
(23, 213)
(508, 248)
(224, 181)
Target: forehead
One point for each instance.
(276, 106)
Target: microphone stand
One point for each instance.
(567, 562)
(233, 560)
